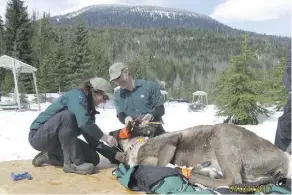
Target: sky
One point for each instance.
(272, 17)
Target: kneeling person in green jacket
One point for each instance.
(55, 131)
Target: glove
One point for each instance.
(110, 140)
(146, 119)
(128, 120)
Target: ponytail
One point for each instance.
(88, 89)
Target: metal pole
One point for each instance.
(16, 85)
(36, 89)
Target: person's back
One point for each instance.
(57, 106)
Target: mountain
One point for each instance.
(124, 16)
(184, 49)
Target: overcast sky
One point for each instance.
(262, 16)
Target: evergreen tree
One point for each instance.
(101, 66)
(18, 37)
(62, 69)
(236, 94)
(101, 62)
(2, 46)
(278, 92)
(43, 48)
(2, 51)
(137, 68)
(263, 86)
(46, 75)
(80, 59)
(187, 60)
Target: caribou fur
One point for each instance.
(237, 155)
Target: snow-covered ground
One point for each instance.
(14, 126)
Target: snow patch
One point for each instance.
(15, 125)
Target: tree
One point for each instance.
(62, 70)
(18, 37)
(101, 61)
(80, 59)
(2, 51)
(236, 94)
(43, 48)
(278, 92)
(46, 75)
(187, 60)
(2, 46)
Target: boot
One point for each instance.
(44, 158)
(84, 168)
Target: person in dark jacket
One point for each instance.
(136, 99)
(55, 131)
(283, 133)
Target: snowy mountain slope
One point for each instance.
(140, 17)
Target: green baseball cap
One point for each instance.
(115, 70)
(99, 83)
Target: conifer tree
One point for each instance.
(236, 94)
(2, 46)
(101, 61)
(62, 69)
(46, 75)
(43, 42)
(18, 37)
(278, 92)
(80, 59)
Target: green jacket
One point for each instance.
(75, 101)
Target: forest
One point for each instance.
(187, 60)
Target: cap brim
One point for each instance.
(113, 77)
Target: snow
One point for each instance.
(163, 11)
(154, 11)
(15, 126)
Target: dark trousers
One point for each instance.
(59, 137)
(101, 148)
(283, 133)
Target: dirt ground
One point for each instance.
(52, 180)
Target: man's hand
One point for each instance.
(146, 119)
(110, 140)
(128, 120)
